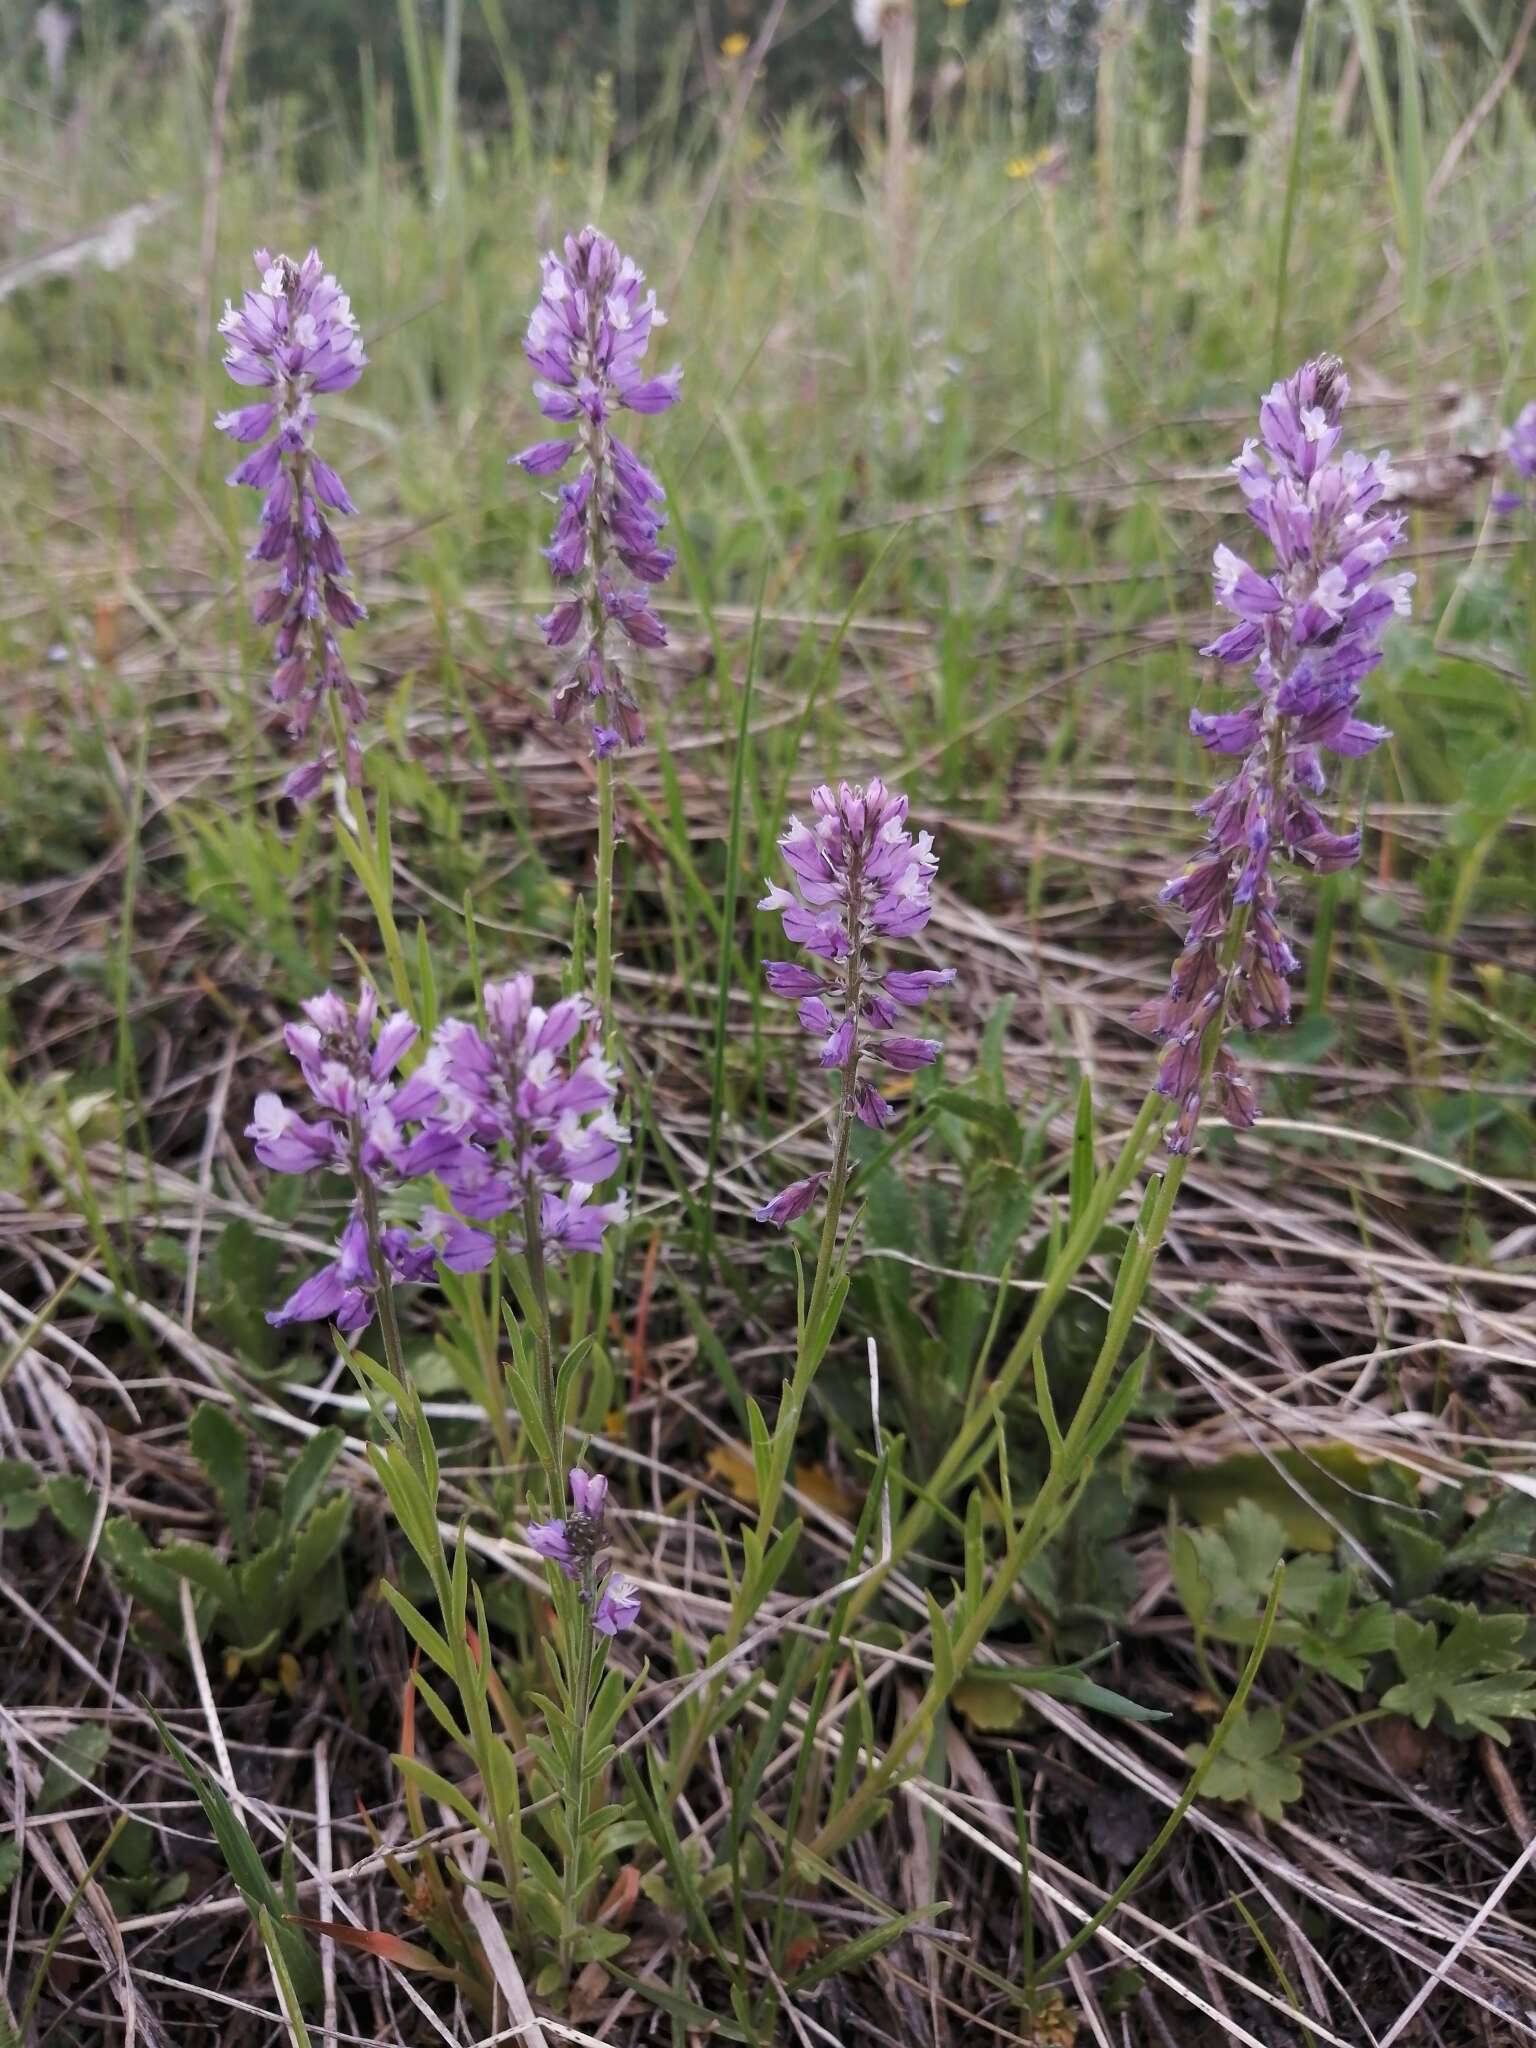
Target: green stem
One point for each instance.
(544, 1356)
(378, 886)
(575, 1801)
(604, 909)
(812, 1343)
(809, 1352)
(1335, 1728)
(1186, 1799)
(384, 1293)
(977, 1424)
(1068, 1465)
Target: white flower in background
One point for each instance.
(869, 16)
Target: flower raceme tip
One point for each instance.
(515, 1123)
(857, 878)
(295, 338)
(577, 1543)
(1310, 630)
(587, 339)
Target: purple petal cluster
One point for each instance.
(577, 1543)
(372, 1128)
(515, 1122)
(857, 877)
(532, 1099)
(587, 339)
(1520, 453)
(294, 339)
(1309, 629)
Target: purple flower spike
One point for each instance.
(378, 1131)
(530, 1105)
(1310, 631)
(1521, 446)
(296, 338)
(578, 1546)
(857, 876)
(1520, 453)
(587, 338)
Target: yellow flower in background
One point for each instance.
(954, 3)
(735, 45)
(1048, 161)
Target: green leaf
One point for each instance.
(1251, 1766)
(419, 1629)
(318, 1542)
(129, 1553)
(72, 1505)
(852, 1953)
(219, 1445)
(1340, 1638)
(197, 1563)
(1056, 1682)
(10, 1863)
(1082, 1176)
(437, 1787)
(307, 1475)
(247, 1869)
(21, 1494)
(995, 1118)
(1505, 1528)
(73, 1765)
(1472, 1676)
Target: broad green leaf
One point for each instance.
(21, 1494)
(1473, 1675)
(306, 1476)
(219, 1445)
(1252, 1766)
(72, 1768)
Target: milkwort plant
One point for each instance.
(858, 881)
(504, 1127)
(587, 340)
(509, 1122)
(295, 338)
(1310, 630)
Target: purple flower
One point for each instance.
(1310, 632)
(577, 1544)
(550, 1541)
(340, 1293)
(529, 1103)
(795, 1200)
(349, 1060)
(1520, 453)
(296, 338)
(586, 341)
(857, 876)
(618, 1606)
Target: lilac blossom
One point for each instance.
(858, 877)
(618, 1605)
(530, 1099)
(293, 339)
(372, 1128)
(1309, 629)
(1520, 453)
(577, 1544)
(587, 338)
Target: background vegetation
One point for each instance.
(946, 503)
